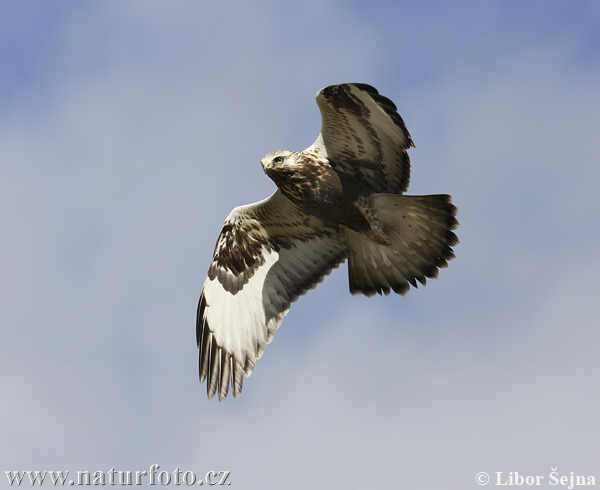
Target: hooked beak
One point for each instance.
(267, 165)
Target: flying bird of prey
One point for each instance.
(341, 198)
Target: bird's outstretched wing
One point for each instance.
(267, 254)
(363, 136)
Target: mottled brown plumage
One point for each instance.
(342, 198)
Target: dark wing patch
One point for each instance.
(238, 254)
(363, 135)
(268, 254)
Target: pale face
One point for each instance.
(278, 159)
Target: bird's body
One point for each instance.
(342, 198)
(316, 188)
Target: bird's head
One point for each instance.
(280, 159)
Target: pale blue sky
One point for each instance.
(128, 131)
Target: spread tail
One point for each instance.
(418, 240)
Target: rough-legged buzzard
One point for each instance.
(341, 198)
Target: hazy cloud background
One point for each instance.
(128, 131)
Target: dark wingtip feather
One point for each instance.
(212, 384)
(237, 378)
(204, 353)
(200, 319)
(217, 367)
(225, 374)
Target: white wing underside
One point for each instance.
(234, 329)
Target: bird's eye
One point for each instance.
(278, 160)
